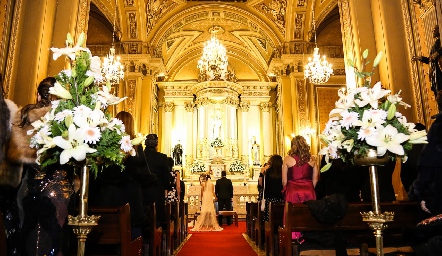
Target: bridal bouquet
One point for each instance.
(217, 143)
(78, 128)
(367, 118)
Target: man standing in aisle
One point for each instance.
(158, 165)
(224, 194)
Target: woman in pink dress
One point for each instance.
(299, 174)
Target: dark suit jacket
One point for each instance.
(224, 188)
(159, 166)
(183, 190)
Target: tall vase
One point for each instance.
(376, 219)
(82, 224)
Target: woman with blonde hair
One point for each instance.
(299, 174)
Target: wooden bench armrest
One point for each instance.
(136, 246)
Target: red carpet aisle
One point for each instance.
(230, 241)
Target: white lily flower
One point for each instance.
(74, 146)
(388, 138)
(68, 51)
(60, 91)
(44, 139)
(138, 140)
(396, 99)
(348, 144)
(418, 137)
(107, 97)
(38, 124)
(371, 96)
(371, 118)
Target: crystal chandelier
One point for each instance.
(317, 71)
(213, 62)
(112, 69)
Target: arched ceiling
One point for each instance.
(249, 42)
(250, 30)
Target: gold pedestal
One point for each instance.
(376, 220)
(82, 224)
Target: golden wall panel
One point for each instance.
(325, 102)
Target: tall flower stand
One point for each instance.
(376, 219)
(82, 224)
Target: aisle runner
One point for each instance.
(230, 241)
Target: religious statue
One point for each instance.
(217, 123)
(178, 154)
(255, 152)
(434, 60)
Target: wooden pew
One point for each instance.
(299, 218)
(250, 208)
(3, 248)
(254, 218)
(153, 233)
(114, 228)
(258, 227)
(276, 214)
(176, 224)
(184, 210)
(168, 232)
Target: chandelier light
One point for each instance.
(317, 70)
(213, 62)
(112, 69)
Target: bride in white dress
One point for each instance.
(207, 220)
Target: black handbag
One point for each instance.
(144, 175)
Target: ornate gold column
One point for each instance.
(167, 127)
(266, 130)
(244, 108)
(190, 140)
(47, 24)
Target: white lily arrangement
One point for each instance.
(366, 118)
(78, 127)
(237, 167)
(217, 143)
(197, 167)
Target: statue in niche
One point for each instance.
(178, 154)
(217, 124)
(255, 152)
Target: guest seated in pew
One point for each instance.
(272, 183)
(116, 187)
(427, 189)
(299, 175)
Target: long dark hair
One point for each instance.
(43, 91)
(128, 122)
(275, 169)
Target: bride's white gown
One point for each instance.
(207, 220)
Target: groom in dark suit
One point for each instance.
(224, 194)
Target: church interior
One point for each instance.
(255, 97)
